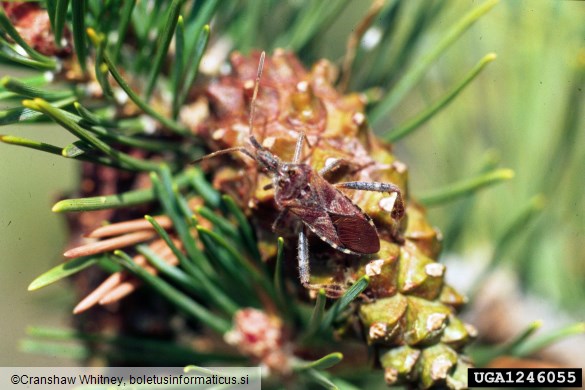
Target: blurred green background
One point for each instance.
(525, 110)
(31, 240)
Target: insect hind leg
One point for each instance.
(331, 290)
(398, 209)
(303, 254)
(224, 151)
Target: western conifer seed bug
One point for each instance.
(318, 204)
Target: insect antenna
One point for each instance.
(225, 151)
(253, 139)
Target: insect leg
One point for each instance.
(303, 248)
(337, 163)
(224, 151)
(253, 139)
(331, 290)
(255, 95)
(299, 147)
(398, 209)
(331, 167)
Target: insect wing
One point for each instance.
(356, 233)
(320, 223)
(355, 230)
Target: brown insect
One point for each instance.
(318, 204)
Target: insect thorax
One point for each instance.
(291, 182)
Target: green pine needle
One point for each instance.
(313, 19)
(126, 16)
(348, 297)
(179, 299)
(220, 223)
(24, 114)
(78, 8)
(209, 194)
(465, 187)
(244, 226)
(197, 283)
(91, 117)
(115, 201)
(60, 16)
(320, 378)
(321, 364)
(62, 271)
(174, 274)
(485, 355)
(179, 63)
(30, 91)
(101, 70)
(56, 150)
(147, 346)
(7, 27)
(163, 185)
(37, 145)
(162, 47)
(236, 258)
(316, 316)
(415, 73)
(10, 55)
(278, 280)
(76, 149)
(226, 266)
(62, 118)
(53, 350)
(172, 125)
(518, 224)
(410, 125)
(190, 72)
(535, 344)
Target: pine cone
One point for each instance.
(407, 314)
